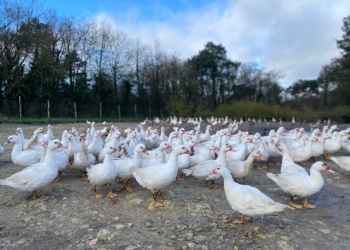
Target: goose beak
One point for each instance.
(145, 152)
(232, 150)
(212, 172)
(7, 142)
(116, 151)
(262, 158)
(330, 170)
(61, 146)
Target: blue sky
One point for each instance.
(295, 37)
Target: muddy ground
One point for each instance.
(194, 217)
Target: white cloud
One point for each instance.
(295, 37)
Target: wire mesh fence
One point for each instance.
(44, 109)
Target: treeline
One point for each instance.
(44, 56)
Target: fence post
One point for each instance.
(48, 111)
(119, 111)
(20, 108)
(135, 111)
(100, 111)
(161, 113)
(149, 111)
(75, 113)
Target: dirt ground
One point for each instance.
(194, 217)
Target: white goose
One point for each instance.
(157, 155)
(49, 135)
(273, 151)
(64, 138)
(241, 153)
(61, 159)
(299, 142)
(318, 148)
(288, 166)
(37, 175)
(83, 159)
(263, 148)
(89, 137)
(113, 142)
(201, 157)
(206, 136)
(73, 147)
(342, 161)
(123, 165)
(201, 171)
(241, 169)
(332, 146)
(163, 137)
(20, 157)
(157, 177)
(303, 153)
(184, 159)
(95, 147)
(103, 173)
(247, 200)
(19, 132)
(302, 184)
(34, 142)
(180, 139)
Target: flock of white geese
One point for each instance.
(155, 160)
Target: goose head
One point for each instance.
(140, 148)
(213, 147)
(281, 146)
(82, 138)
(334, 127)
(38, 131)
(165, 146)
(54, 144)
(19, 131)
(316, 132)
(98, 134)
(12, 139)
(320, 165)
(181, 150)
(192, 143)
(258, 154)
(74, 132)
(325, 128)
(227, 148)
(45, 143)
(70, 138)
(117, 135)
(112, 150)
(220, 170)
